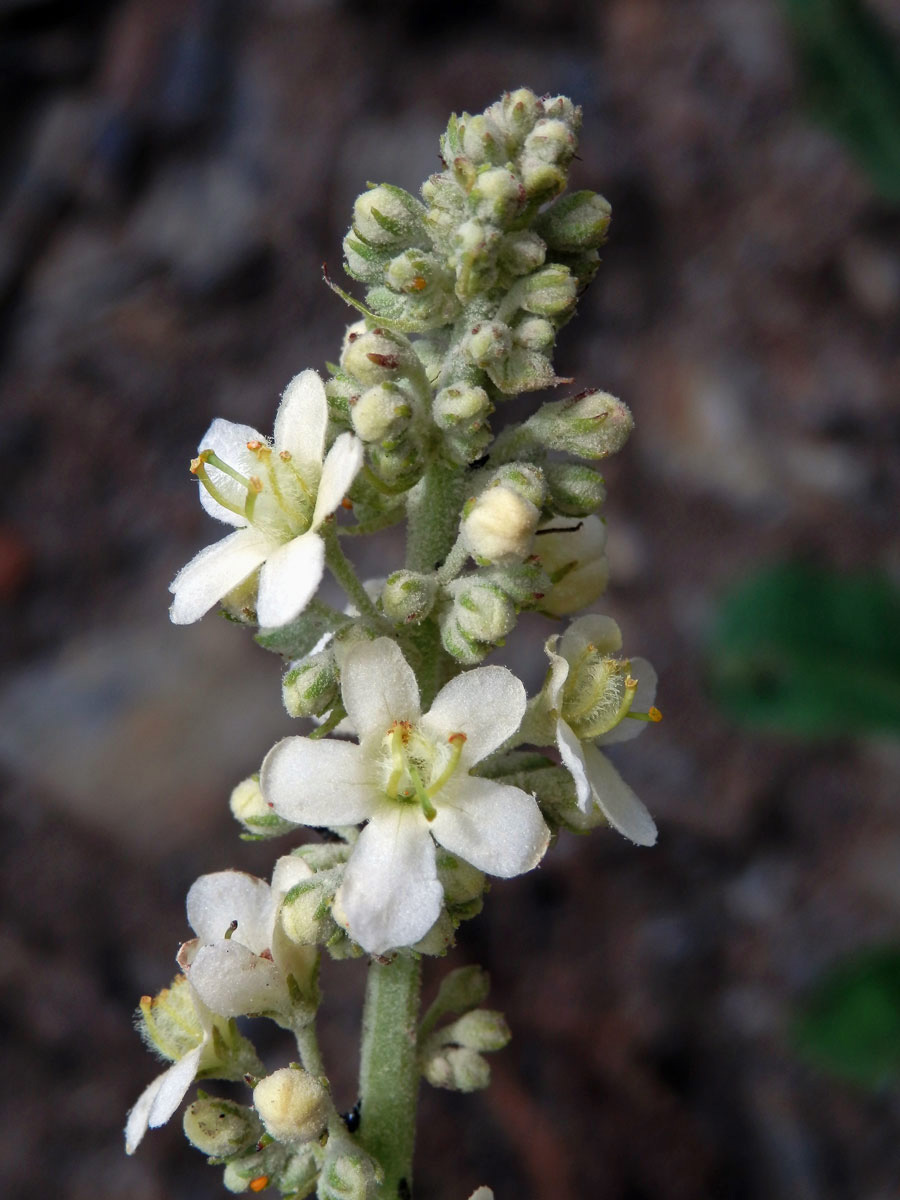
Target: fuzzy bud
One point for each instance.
(377, 355)
(517, 113)
(593, 425)
(480, 1029)
(388, 217)
(364, 261)
(534, 333)
(305, 913)
(550, 292)
(551, 141)
(482, 612)
(575, 560)
(488, 342)
(220, 1128)
(408, 597)
(482, 140)
(310, 686)
(521, 253)
(524, 478)
(578, 221)
(458, 1069)
(292, 1105)
(350, 1176)
(461, 407)
(575, 489)
(499, 525)
(461, 990)
(380, 413)
(497, 197)
(250, 809)
(463, 886)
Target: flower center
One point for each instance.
(277, 498)
(598, 693)
(415, 767)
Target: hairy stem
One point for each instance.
(433, 508)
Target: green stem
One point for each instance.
(433, 508)
(389, 1070)
(342, 569)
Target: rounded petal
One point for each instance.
(497, 828)
(229, 441)
(289, 579)
(642, 702)
(378, 687)
(234, 982)
(338, 471)
(159, 1099)
(617, 801)
(571, 753)
(301, 421)
(214, 901)
(590, 630)
(559, 672)
(318, 782)
(213, 572)
(390, 894)
(486, 704)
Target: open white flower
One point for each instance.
(600, 699)
(241, 959)
(277, 493)
(409, 780)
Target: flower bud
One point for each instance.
(499, 525)
(480, 1029)
(438, 938)
(550, 292)
(518, 112)
(578, 221)
(380, 413)
(474, 258)
(305, 913)
(310, 686)
(575, 560)
(220, 1128)
(460, 406)
(377, 355)
(575, 489)
(540, 179)
(482, 140)
(243, 1173)
(388, 216)
(250, 809)
(292, 1105)
(488, 342)
(592, 425)
(351, 1176)
(521, 253)
(481, 611)
(521, 371)
(461, 990)
(497, 196)
(322, 856)
(534, 333)
(551, 141)
(463, 886)
(408, 597)
(457, 1069)
(525, 583)
(524, 478)
(363, 261)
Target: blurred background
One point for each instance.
(717, 1017)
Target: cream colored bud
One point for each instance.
(292, 1105)
(250, 809)
(482, 1029)
(499, 527)
(220, 1127)
(380, 412)
(458, 1069)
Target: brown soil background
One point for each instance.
(172, 175)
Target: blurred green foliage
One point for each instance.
(850, 1024)
(803, 650)
(851, 70)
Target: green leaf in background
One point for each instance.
(798, 649)
(850, 1025)
(851, 70)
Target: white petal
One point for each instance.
(301, 420)
(618, 802)
(643, 699)
(486, 704)
(213, 572)
(289, 580)
(559, 672)
(378, 687)
(160, 1098)
(572, 755)
(338, 471)
(234, 982)
(229, 441)
(497, 828)
(318, 782)
(390, 894)
(216, 900)
(590, 630)
(289, 871)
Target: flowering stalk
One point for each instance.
(426, 771)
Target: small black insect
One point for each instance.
(351, 1118)
(403, 1192)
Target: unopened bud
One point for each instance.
(292, 1105)
(463, 884)
(474, 257)
(388, 216)
(482, 612)
(438, 938)
(578, 221)
(408, 597)
(480, 1029)
(593, 425)
(497, 196)
(499, 525)
(540, 179)
(521, 253)
(575, 560)
(525, 583)
(250, 809)
(364, 261)
(256, 1172)
(482, 140)
(377, 355)
(488, 342)
(310, 686)
(457, 1069)
(524, 478)
(305, 913)
(550, 292)
(460, 405)
(380, 413)
(350, 1176)
(534, 333)
(519, 110)
(575, 489)
(220, 1128)
(551, 141)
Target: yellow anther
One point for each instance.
(284, 455)
(255, 484)
(254, 444)
(654, 714)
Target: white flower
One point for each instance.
(278, 494)
(578, 554)
(240, 961)
(409, 779)
(586, 648)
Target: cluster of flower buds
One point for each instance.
(451, 1054)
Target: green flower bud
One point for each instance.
(497, 196)
(521, 371)
(521, 253)
(575, 560)
(534, 333)
(461, 406)
(306, 909)
(266, 1165)
(250, 809)
(292, 1104)
(524, 478)
(438, 938)
(499, 525)
(575, 489)
(457, 1069)
(380, 413)
(474, 258)
(460, 990)
(578, 221)
(551, 141)
(482, 140)
(516, 113)
(377, 355)
(488, 342)
(363, 261)
(408, 597)
(310, 686)
(463, 885)
(480, 617)
(550, 292)
(220, 1128)
(339, 390)
(541, 180)
(525, 584)
(389, 217)
(396, 465)
(592, 425)
(350, 1176)
(480, 1029)
(300, 1172)
(562, 109)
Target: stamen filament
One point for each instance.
(397, 764)
(457, 741)
(652, 714)
(421, 794)
(198, 468)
